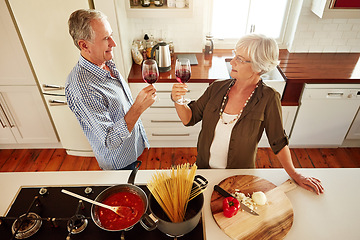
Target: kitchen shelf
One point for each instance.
(159, 12)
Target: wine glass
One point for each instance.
(150, 72)
(182, 73)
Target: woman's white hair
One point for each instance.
(263, 51)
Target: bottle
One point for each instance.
(134, 3)
(158, 3)
(145, 3)
(209, 44)
(171, 3)
(148, 46)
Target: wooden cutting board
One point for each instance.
(275, 218)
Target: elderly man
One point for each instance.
(101, 99)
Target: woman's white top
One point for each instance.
(220, 146)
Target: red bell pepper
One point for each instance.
(230, 206)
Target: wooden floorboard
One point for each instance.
(34, 160)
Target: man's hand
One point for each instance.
(144, 99)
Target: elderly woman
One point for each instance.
(235, 112)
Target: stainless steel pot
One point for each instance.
(130, 187)
(192, 215)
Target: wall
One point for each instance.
(187, 33)
(314, 34)
(306, 32)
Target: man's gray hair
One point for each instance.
(263, 51)
(80, 24)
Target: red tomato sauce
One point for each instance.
(134, 208)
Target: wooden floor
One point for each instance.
(33, 160)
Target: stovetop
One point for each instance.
(56, 208)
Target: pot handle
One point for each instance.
(131, 179)
(149, 222)
(201, 181)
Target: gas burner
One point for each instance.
(77, 224)
(26, 225)
(43, 191)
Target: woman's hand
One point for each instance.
(309, 183)
(178, 90)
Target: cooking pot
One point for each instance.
(162, 57)
(192, 215)
(131, 188)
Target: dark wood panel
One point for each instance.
(33, 160)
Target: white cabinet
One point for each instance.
(52, 54)
(288, 115)
(325, 115)
(162, 124)
(323, 9)
(24, 116)
(354, 131)
(24, 121)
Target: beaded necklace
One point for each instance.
(224, 101)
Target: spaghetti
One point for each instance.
(173, 190)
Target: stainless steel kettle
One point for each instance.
(162, 57)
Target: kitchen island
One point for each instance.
(332, 215)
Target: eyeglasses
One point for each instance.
(238, 59)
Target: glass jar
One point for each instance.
(145, 3)
(158, 3)
(134, 2)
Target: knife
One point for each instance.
(227, 194)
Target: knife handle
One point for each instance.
(222, 191)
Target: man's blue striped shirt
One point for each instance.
(100, 103)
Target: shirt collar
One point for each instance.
(93, 68)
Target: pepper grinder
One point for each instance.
(209, 44)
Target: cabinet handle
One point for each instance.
(252, 28)
(163, 91)
(162, 106)
(335, 94)
(168, 91)
(165, 121)
(52, 87)
(6, 118)
(2, 117)
(54, 102)
(170, 134)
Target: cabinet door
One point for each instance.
(71, 135)
(12, 55)
(354, 131)
(27, 115)
(44, 30)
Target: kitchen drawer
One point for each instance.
(162, 124)
(172, 137)
(195, 90)
(164, 120)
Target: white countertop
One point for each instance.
(332, 215)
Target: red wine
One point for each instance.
(151, 77)
(182, 75)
